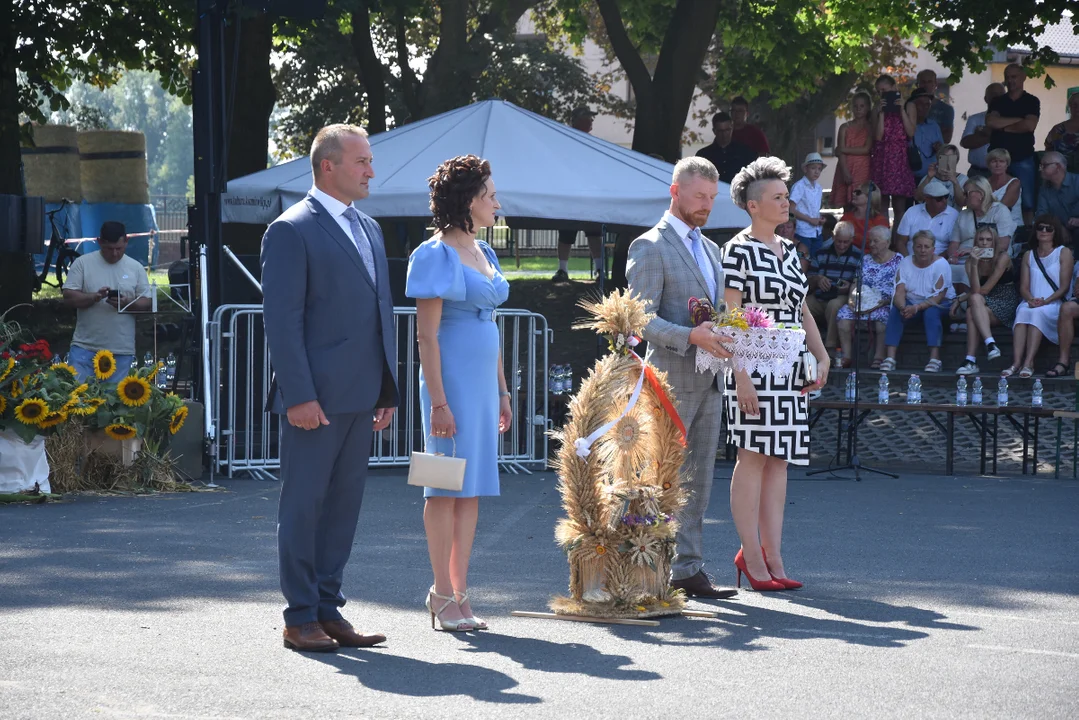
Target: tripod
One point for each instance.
(855, 463)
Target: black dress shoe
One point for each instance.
(700, 585)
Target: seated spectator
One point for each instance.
(944, 170)
(878, 272)
(1006, 189)
(855, 215)
(805, 203)
(923, 289)
(727, 154)
(1044, 279)
(854, 143)
(1064, 137)
(976, 135)
(927, 137)
(106, 286)
(749, 135)
(992, 298)
(1012, 119)
(1069, 313)
(830, 275)
(981, 210)
(934, 215)
(1059, 193)
(941, 112)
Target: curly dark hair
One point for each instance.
(453, 187)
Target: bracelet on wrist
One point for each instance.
(439, 407)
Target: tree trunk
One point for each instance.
(664, 98)
(16, 269)
(371, 74)
(253, 101)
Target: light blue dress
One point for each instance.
(468, 343)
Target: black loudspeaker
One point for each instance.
(302, 9)
(238, 290)
(22, 224)
(398, 273)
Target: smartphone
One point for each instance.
(891, 101)
(947, 163)
(114, 294)
(983, 253)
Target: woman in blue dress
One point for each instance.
(457, 283)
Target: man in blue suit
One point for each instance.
(329, 324)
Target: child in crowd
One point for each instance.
(805, 199)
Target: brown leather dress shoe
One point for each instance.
(700, 586)
(346, 636)
(309, 637)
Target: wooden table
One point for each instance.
(977, 414)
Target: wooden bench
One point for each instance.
(978, 415)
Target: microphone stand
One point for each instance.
(855, 463)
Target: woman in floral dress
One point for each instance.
(891, 172)
(878, 272)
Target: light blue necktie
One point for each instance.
(360, 238)
(702, 263)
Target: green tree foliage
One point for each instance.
(137, 101)
(388, 63)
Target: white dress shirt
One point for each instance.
(683, 230)
(336, 209)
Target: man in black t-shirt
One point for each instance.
(728, 155)
(1012, 118)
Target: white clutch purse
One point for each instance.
(435, 470)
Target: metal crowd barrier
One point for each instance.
(247, 437)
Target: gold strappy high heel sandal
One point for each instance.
(475, 622)
(463, 625)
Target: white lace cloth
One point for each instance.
(869, 299)
(767, 351)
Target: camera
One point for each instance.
(891, 101)
(114, 294)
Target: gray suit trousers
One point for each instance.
(323, 472)
(700, 413)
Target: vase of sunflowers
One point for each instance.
(132, 413)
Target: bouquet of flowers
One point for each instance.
(759, 344)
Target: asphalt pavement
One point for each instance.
(925, 597)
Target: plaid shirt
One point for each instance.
(834, 267)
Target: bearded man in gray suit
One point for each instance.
(668, 265)
(328, 315)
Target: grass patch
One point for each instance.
(542, 268)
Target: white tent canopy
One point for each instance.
(543, 170)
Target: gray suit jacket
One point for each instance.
(328, 324)
(663, 272)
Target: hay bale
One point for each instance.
(51, 166)
(113, 166)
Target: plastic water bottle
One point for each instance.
(567, 379)
(912, 390)
(148, 360)
(853, 386)
(961, 391)
(848, 393)
(1036, 393)
(56, 360)
(517, 379)
(170, 368)
(1002, 392)
(552, 379)
(882, 389)
(917, 389)
(976, 392)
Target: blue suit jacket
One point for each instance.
(328, 324)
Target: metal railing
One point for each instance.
(247, 438)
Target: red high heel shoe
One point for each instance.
(785, 582)
(758, 585)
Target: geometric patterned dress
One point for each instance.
(777, 286)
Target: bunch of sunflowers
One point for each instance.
(37, 395)
(133, 407)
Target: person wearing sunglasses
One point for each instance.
(1044, 279)
(1059, 193)
(867, 192)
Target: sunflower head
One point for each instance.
(53, 419)
(177, 420)
(133, 391)
(104, 364)
(120, 431)
(6, 366)
(156, 369)
(64, 368)
(31, 411)
(3, 404)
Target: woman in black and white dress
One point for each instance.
(767, 417)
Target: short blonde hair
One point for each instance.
(999, 154)
(949, 149)
(924, 234)
(694, 166)
(981, 185)
(327, 144)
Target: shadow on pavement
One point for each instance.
(384, 672)
(546, 656)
